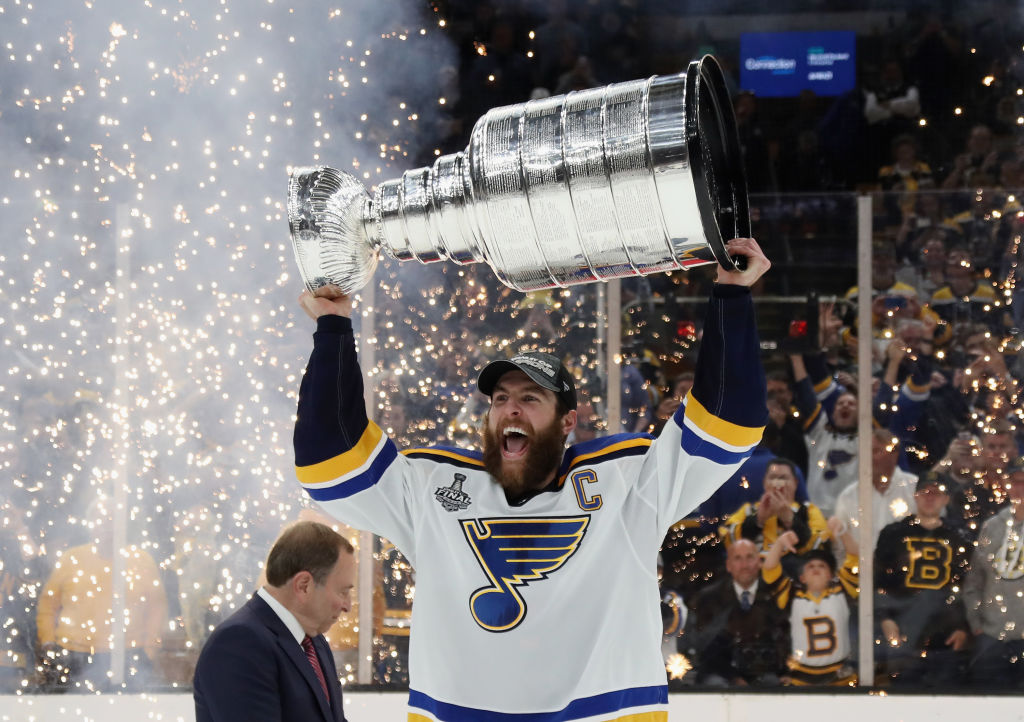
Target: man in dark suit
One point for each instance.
(269, 660)
(737, 635)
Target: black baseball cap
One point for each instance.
(824, 555)
(934, 478)
(543, 369)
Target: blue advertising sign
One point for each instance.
(780, 65)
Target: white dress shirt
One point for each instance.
(281, 611)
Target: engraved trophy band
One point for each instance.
(629, 179)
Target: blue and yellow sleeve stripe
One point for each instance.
(350, 472)
(917, 392)
(823, 388)
(710, 437)
(812, 417)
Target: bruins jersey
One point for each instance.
(549, 607)
(918, 576)
(808, 523)
(981, 305)
(819, 625)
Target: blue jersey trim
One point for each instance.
(603, 442)
(469, 453)
(619, 700)
(465, 458)
(696, 446)
(605, 448)
(360, 482)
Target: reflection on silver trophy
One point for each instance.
(630, 179)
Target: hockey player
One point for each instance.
(819, 605)
(512, 546)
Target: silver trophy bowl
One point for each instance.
(630, 179)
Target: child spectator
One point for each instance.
(818, 602)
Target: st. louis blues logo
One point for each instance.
(453, 498)
(512, 553)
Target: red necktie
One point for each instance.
(307, 646)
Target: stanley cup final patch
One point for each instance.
(453, 498)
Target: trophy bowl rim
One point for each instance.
(706, 75)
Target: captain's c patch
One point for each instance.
(513, 553)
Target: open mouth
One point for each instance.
(845, 416)
(514, 442)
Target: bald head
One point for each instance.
(743, 562)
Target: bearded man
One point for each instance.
(536, 564)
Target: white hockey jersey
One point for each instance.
(550, 607)
(819, 627)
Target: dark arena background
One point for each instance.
(153, 347)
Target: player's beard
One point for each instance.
(542, 457)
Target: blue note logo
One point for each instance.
(513, 553)
(833, 460)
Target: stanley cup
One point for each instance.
(630, 179)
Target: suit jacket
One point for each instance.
(726, 641)
(252, 669)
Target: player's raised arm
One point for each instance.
(724, 413)
(339, 452)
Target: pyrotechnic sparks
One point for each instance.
(677, 665)
(147, 290)
(146, 285)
